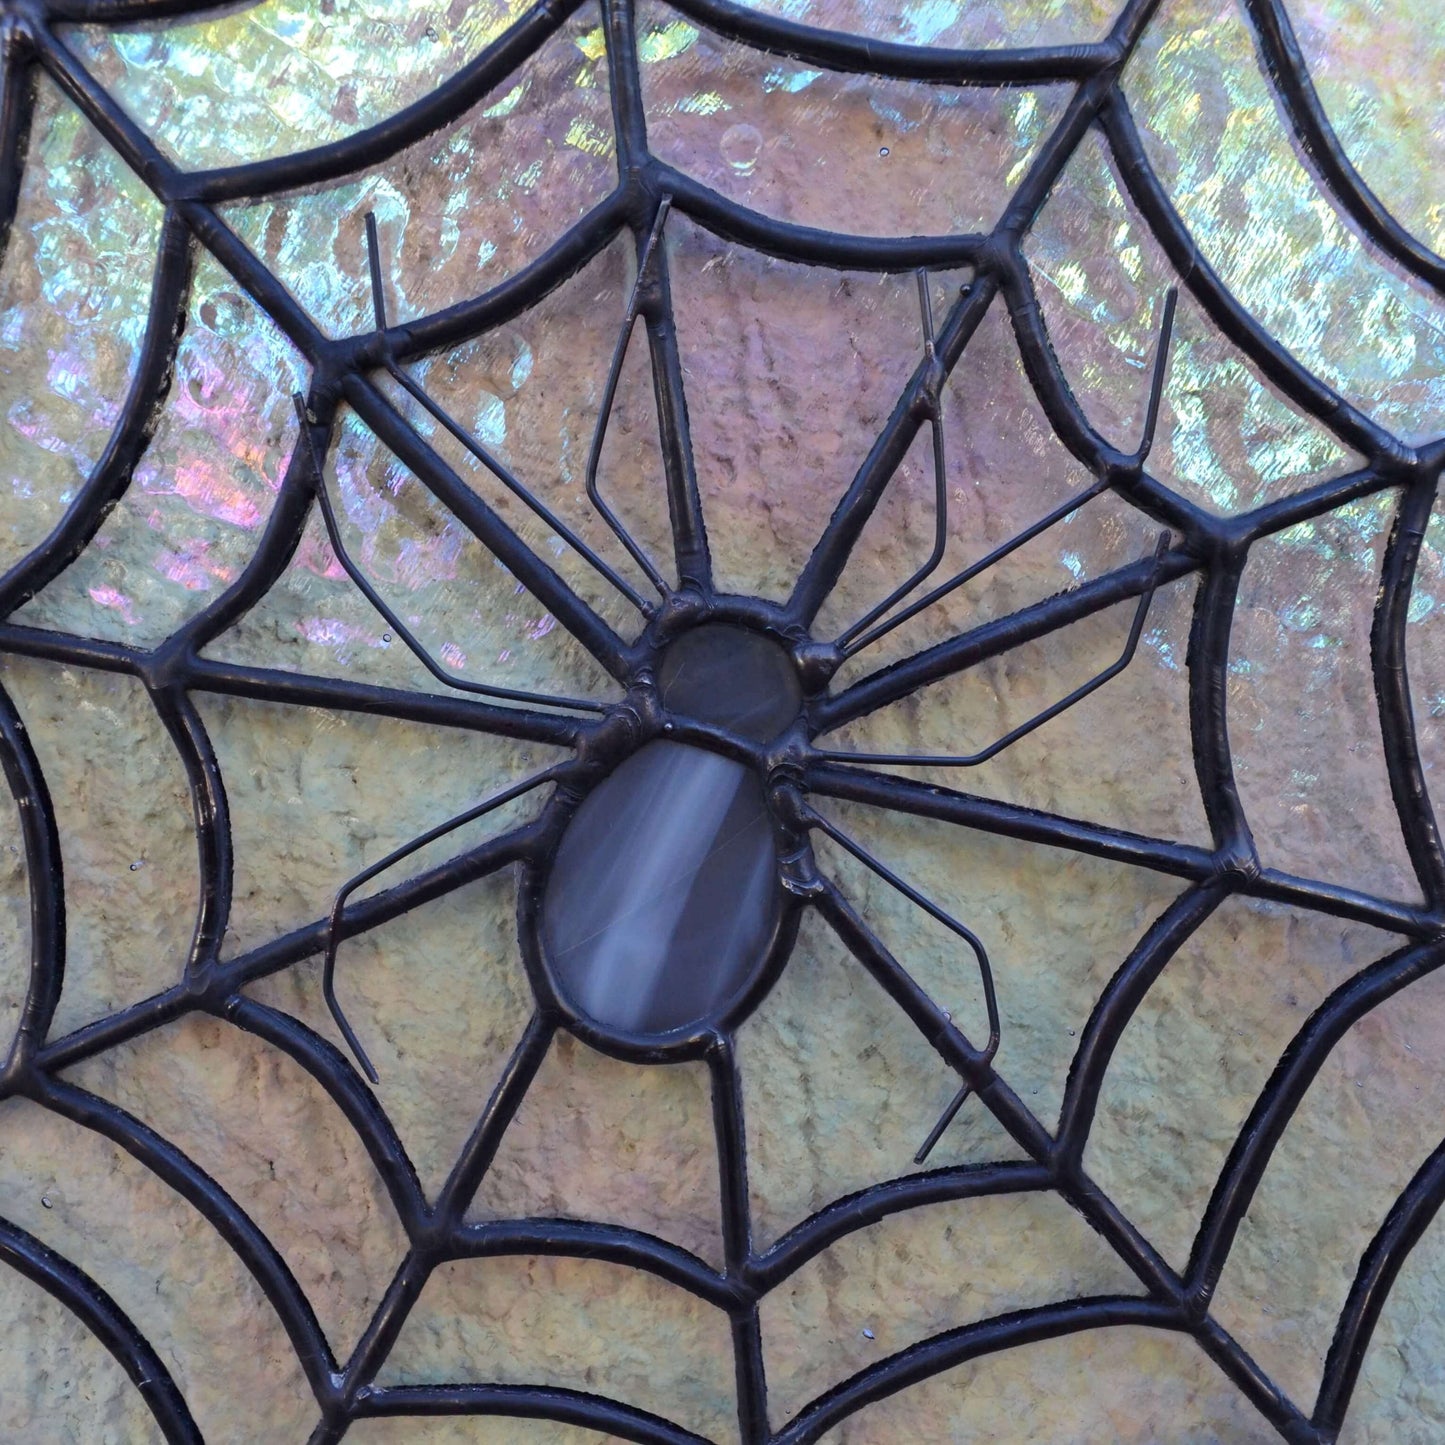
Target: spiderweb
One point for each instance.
(646, 558)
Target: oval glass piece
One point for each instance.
(663, 896)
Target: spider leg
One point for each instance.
(363, 583)
(931, 404)
(1157, 379)
(333, 922)
(493, 464)
(985, 970)
(609, 394)
(974, 568)
(853, 644)
(373, 257)
(972, 760)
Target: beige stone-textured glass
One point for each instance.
(385, 385)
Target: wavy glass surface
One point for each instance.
(1076, 1074)
(74, 290)
(460, 211)
(1376, 69)
(1226, 440)
(1258, 218)
(280, 76)
(850, 153)
(202, 493)
(926, 22)
(1301, 699)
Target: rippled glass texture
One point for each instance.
(820, 149)
(1226, 439)
(770, 779)
(1377, 70)
(203, 492)
(1257, 216)
(457, 212)
(283, 76)
(953, 22)
(74, 291)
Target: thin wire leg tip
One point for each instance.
(945, 1119)
(328, 991)
(1159, 375)
(373, 256)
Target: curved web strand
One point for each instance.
(17, 106)
(259, 1256)
(100, 1314)
(1285, 65)
(1410, 1216)
(45, 881)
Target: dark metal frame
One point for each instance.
(1212, 548)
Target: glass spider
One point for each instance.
(664, 899)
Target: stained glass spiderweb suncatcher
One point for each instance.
(721, 722)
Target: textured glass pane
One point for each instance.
(283, 76)
(74, 289)
(459, 211)
(1212, 131)
(1120, 756)
(793, 369)
(1049, 976)
(1225, 440)
(551, 929)
(163, 1264)
(130, 872)
(519, 1320)
(656, 1127)
(827, 1048)
(1126, 1385)
(470, 615)
(338, 811)
(1400, 1387)
(438, 998)
(204, 488)
(1199, 1051)
(1005, 470)
(529, 392)
(1425, 650)
(953, 22)
(261, 1126)
(1303, 717)
(1366, 1125)
(408, 1430)
(54, 1369)
(885, 1288)
(822, 149)
(1376, 65)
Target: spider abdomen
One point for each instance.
(663, 898)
